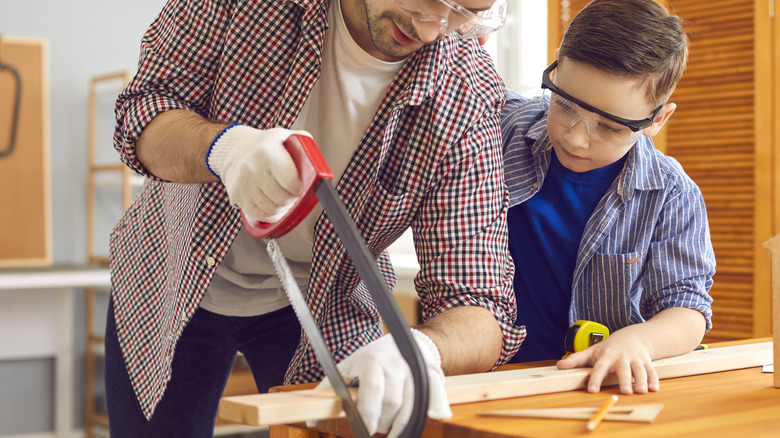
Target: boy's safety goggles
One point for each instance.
(602, 126)
(454, 19)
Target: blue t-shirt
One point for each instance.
(544, 236)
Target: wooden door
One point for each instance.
(724, 133)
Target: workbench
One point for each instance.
(737, 403)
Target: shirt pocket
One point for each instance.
(386, 216)
(610, 289)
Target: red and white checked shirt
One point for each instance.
(431, 159)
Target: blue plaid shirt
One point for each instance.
(646, 246)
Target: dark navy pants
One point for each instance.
(202, 362)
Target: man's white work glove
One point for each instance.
(258, 173)
(385, 385)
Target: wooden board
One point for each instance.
(25, 215)
(773, 245)
(317, 404)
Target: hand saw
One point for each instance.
(316, 178)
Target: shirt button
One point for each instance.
(168, 360)
(210, 261)
(536, 185)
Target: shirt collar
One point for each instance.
(436, 62)
(538, 129)
(643, 170)
(308, 4)
(314, 10)
(537, 132)
(424, 66)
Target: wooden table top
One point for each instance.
(740, 403)
(732, 403)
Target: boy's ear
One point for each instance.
(554, 73)
(660, 120)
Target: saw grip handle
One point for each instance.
(312, 168)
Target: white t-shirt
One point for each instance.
(337, 113)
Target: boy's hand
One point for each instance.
(621, 353)
(628, 352)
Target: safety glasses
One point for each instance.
(634, 125)
(602, 126)
(455, 20)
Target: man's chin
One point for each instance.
(391, 47)
(394, 51)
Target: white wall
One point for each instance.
(521, 46)
(87, 38)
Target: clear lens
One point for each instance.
(600, 129)
(420, 13)
(458, 21)
(467, 24)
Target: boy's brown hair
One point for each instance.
(631, 38)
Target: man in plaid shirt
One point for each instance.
(404, 105)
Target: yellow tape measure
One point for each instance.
(582, 334)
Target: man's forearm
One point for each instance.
(174, 146)
(469, 339)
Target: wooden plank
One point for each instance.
(281, 407)
(317, 404)
(776, 200)
(764, 208)
(773, 245)
(25, 221)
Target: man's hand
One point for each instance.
(258, 173)
(620, 353)
(385, 385)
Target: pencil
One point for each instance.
(595, 420)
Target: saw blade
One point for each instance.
(366, 266)
(316, 339)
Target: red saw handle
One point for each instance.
(312, 168)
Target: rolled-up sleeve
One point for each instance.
(681, 260)
(461, 237)
(179, 59)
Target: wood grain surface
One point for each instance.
(316, 404)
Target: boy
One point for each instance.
(602, 226)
